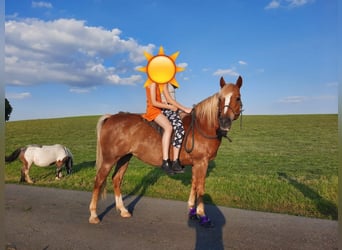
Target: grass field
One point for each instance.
(284, 164)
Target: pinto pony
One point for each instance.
(42, 156)
(123, 135)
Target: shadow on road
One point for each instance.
(139, 191)
(150, 179)
(209, 238)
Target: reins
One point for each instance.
(191, 128)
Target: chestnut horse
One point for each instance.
(123, 135)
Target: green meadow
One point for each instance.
(283, 164)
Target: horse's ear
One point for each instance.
(239, 82)
(222, 82)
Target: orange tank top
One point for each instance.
(151, 111)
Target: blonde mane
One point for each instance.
(207, 110)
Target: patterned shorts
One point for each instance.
(177, 125)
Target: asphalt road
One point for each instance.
(45, 218)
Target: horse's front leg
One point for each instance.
(192, 197)
(199, 171)
(59, 165)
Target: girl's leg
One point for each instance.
(177, 142)
(165, 124)
(177, 139)
(178, 129)
(175, 153)
(178, 134)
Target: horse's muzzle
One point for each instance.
(221, 133)
(225, 124)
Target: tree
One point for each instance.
(8, 109)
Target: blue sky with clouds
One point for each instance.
(74, 58)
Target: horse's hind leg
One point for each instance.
(117, 178)
(99, 186)
(25, 175)
(25, 171)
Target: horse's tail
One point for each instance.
(99, 158)
(14, 155)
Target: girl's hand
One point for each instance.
(188, 110)
(173, 108)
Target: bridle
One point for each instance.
(235, 113)
(219, 132)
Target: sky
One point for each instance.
(74, 58)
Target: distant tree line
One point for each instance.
(8, 109)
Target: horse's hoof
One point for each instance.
(57, 178)
(94, 220)
(193, 217)
(125, 214)
(204, 221)
(193, 214)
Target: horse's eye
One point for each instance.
(238, 99)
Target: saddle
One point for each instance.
(154, 125)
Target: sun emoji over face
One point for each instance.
(161, 68)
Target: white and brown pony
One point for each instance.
(123, 135)
(42, 156)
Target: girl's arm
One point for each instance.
(156, 103)
(174, 103)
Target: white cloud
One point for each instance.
(230, 72)
(242, 62)
(41, 5)
(18, 96)
(301, 99)
(131, 80)
(182, 65)
(81, 90)
(298, 3)
(274, 4)
(324, 98)
(11, 16)
(67, 51)
(332, 84)
(293, 99)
